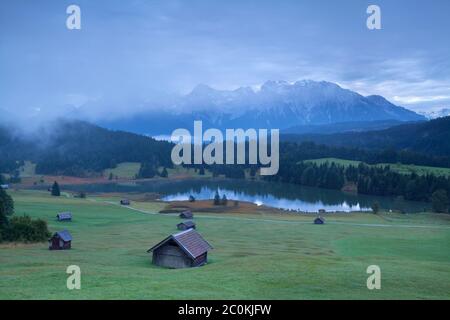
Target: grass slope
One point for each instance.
(256, 256)
(125, 170)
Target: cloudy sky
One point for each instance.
(130, 53)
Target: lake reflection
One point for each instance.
(277, 195)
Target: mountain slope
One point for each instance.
(79, 148)
(430, 137)
(353, 126)
(277, 104)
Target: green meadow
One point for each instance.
(255, 256)
(397, 167)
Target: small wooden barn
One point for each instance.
(186, 215)
(186, 225)
(125, 202)
(4, 186)
(61, 240)
(319, 220)
(64, 216)
(186, 249)
(322, 211)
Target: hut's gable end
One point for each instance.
(60, 240)
(172, 256)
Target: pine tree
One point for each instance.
(217, 199)
(55, 189)
(164, 173)
(375, 207)
(224, 200)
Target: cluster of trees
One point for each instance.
(329, 176)
(383, 181)
(19, 228)
(220, 201)
(370, 180)
(228, 171)
(150, 170)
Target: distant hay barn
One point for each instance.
(319, 220)
(186, 249)
(322, 211)
(61, 240)
(186, 215)
(4, 186)
(64, 216)
(125, 202)
(186, 225)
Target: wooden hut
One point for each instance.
(61, 240)
(186, 225)
(186, 249)
(319, 220)
(186, 215)
(322, 211)
(125, 202)
(4, 186)
(64, 216)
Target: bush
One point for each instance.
(80, 194)
(375, 207)
(25, 229)
(6, 207)
(440, 201)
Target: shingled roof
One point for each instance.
(64, 216)
(64, 235)
(190, 241)
(188, 223)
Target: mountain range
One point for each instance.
(277, 104)
(444, 112)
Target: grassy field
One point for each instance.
(255, 256)
(129, 170)
(125, 170)
(400, 168)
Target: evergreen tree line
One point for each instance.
(370, 180)
(328, 176)
(292, 151)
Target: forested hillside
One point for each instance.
(429, 138)
(78, 148)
